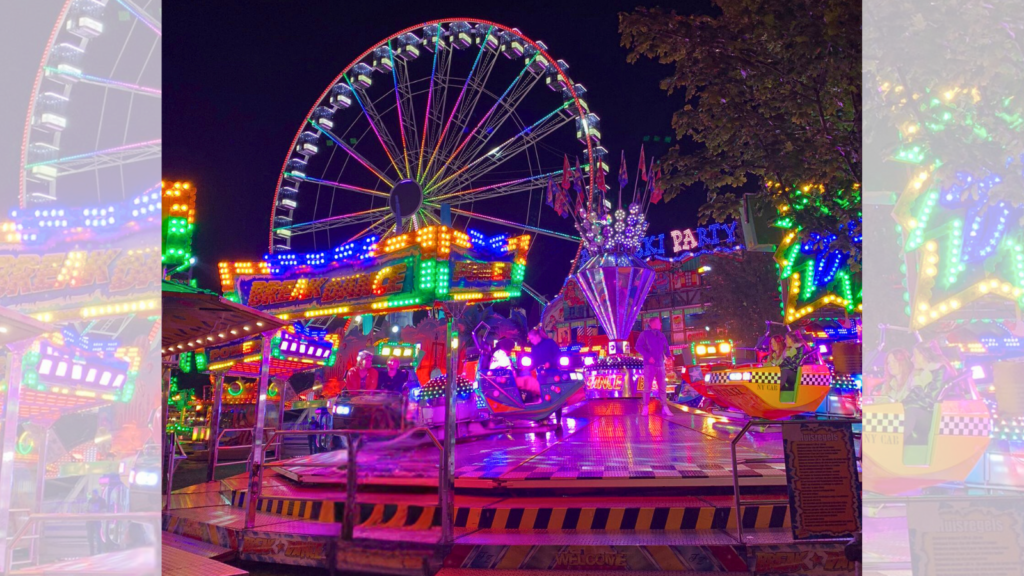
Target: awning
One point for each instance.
(15, 327)
(195, 318)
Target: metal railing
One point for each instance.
(34, 519)
(215, 447)
(763, 425)
(352, 436)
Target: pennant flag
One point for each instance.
(599, 177)
(623, 178)
(643, 167)
(577, 177)
(551, 192)
(562, 202)
(659, 191)
(565, 173)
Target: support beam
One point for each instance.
(12, 403)
(214, 422)
(256, 459)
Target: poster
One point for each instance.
(979, 535)
(821, 472)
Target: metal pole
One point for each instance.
(736, 481)
(349, 520)
(168, 446)
(256, 459)
(446, 486)
(40, 493)
(214, 420)
(281, 387)
(12, 402)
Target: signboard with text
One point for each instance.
(821, 473)
(980, 535)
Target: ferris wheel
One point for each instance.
(446, 121)
(92, 134)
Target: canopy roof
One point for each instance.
(16, 327)
(201, 318)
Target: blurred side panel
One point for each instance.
(944, 284)
(80, 276)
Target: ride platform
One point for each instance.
(614, 490)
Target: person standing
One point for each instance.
(310, 424)
(652, 346)
(95, 505)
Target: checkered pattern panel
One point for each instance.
(883, 422)
(816, 380)
(965, 426)
(772, 377)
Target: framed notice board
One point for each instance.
(821, 471)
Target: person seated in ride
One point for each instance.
(500, 360)
(932, 372)
(394, 378)
(896, 378)
(798, 353)
(544, 352)
(776, 351)
(362, 376)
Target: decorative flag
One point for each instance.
(577, 184)
(562, 202)
(599, 177)
(643, 167)
(658, 189)
(551, 192)
(623, 179)
(565, 173)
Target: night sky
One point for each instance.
(240, 76)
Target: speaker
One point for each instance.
(758, 233)
(1009, 392)
(847, 357)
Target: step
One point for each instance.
(178, 562)
(197, 547)
(579, 513)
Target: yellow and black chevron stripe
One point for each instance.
(580, 519)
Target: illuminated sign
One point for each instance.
(703, 239)
(403, 272)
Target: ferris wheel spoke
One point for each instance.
(534, 229)
(106, 82)
(370, 111)
(359, 157)
(490, 122)
(504, 151)
(99, 159)
(500, 189)
(455, 108)
(434, 115)
(142, 15)
(406, 110)
(373, 214)
(342, 186)
(464, 111)
(378, 227)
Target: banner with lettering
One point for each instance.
(821, 473)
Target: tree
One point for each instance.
(743, 293)
(772, 93)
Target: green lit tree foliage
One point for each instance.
(771, 93)
(742, 294)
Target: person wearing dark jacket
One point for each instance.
(652, 346)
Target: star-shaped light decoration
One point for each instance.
(815, 274)
(960, 241)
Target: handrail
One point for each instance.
(348, 521)
(58, 517)
(735, 473)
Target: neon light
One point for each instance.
(374, 126)
(355, 155)
(455, 108)
(104, 81)
(426, 115)
(96, 153)
(140, 17)
(398, 105)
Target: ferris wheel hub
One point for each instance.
(406, 196)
